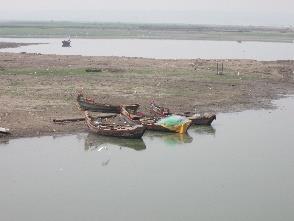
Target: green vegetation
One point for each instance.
(47, 72)
(203, 74)
(143, 31)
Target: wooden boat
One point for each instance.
(205, 119)
(90, 105)
(151, 122)
(197, 119)
(66, 43)
(118, 126)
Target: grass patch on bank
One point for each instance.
(186, 74)
(48, 72)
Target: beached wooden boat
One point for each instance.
(197, 119)
(90, 104)
(118, 126)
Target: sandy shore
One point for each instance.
(37, 88)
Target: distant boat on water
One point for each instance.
(66, 43)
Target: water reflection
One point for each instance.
(203, 130)
(4, 140)
(170, 138)
(96, 142)
(246, 171)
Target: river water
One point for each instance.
(241, 168)
(165, 49)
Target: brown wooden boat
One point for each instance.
(90, 104)
(197, 119)
(118, 126)
(66, 43)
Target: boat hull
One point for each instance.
(88, 104)
(132, 132)
(203, 120)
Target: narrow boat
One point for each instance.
(117, 126)
(90, 104)
(197, 119)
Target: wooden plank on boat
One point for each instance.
(66, 120)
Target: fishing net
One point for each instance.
(175, 123)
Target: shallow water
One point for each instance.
(241, 168)
(165, 49)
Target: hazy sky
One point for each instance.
(258, 11)
(227, 5)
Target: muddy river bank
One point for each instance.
(36, 88)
